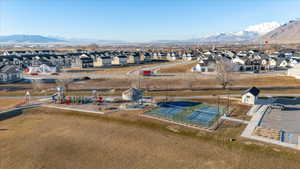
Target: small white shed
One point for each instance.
(250, 96)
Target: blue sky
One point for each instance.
(139, 20)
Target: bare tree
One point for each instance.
(36, 84)
(224, 73)
(64, 82)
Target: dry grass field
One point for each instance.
(53, 139)
(181, 68)
(9, 103)
(116, 69)
(268, 81)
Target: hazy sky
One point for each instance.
(139, 20)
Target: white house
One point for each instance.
(250, 96)
(282, 63)
(102, 61)
(119, 60)
(43, 69)
(292, 63)
(295, 71)
(238, 60)
(200, 67)
(272, 62)
(9, 73)
(134, 59)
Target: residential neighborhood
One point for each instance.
(239, 61)
(160, 84)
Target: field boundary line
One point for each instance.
(174, 122)
(74, 109)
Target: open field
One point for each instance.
(49, 139)
(159, 93)
(182, 85)
(181, 68)
(9, 103)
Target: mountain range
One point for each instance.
(273, 32)
(29, 39)
(250, 33)
(12, 39)
(286, 34)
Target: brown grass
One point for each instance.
(181, 68)
(48, 139)
(9, 103)
(115, 69)
(268, 81)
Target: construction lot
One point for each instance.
(51, 138)
(286, 120)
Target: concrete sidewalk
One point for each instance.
(255, 121)
(235, 120)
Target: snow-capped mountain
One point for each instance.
(249, 33)
(263, 28)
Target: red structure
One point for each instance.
(146, 72)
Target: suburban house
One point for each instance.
(132, 94)
(238, 60)
(250, 96)
(134, 59)
(44, 69)
(84, 62)
(28, 52)
(102, 61)
(188, 57)
(155, 56)
(282, 62)
(119, 60)
(200, 67)
(9, 73)
(172, 56)
(272, 62)
(205, 66)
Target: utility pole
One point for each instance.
(218, 104)
(228, 105)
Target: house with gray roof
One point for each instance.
(9, 73)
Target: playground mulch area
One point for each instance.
(52, 138)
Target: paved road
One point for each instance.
(109, 74)
(177, 97)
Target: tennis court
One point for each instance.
(191, 113)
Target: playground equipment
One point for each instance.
(60, 98)
(27, 97)
(132, 94)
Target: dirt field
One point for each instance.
(52, 139)
(9, 103)
(181, 68)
